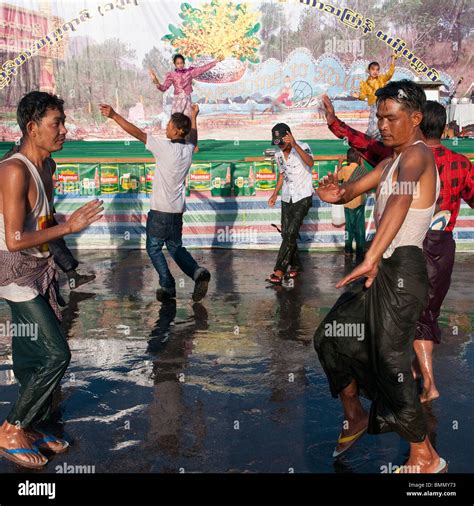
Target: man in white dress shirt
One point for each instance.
(295, 161)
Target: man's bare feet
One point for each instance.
(12, 438)
(429, 393)
(423, 459)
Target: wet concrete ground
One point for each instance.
(232, 384)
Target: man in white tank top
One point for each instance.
(28, 276)
(63, 256)
(372, 353)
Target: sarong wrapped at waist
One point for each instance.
(368, 337)
(38, 273)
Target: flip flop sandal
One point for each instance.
(275, 280)
(348, 439)
(292, 273)
(10, 455)
(48, 438)
(442, 468)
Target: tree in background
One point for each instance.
(274, 33)
(439, 33)
(103, 73)
(161, 63)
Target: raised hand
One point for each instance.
(329, 189)
(81, 218)
(106, 110)
(153, 76)
(367, 268)
(195, 110)
(289, 139)
(328, 109)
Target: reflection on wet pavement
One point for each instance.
(229, 384)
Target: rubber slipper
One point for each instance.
(292, 273)
(442, 468)
(275, 280)
(348, 439)
(48, 438)
(10, 455)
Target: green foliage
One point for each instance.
(421, 23)
(253, 30)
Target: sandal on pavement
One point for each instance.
(292, 273)
(10, 454)
(42, 443)
(274, 279)
(348, 439)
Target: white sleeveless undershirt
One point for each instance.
(38, 218)
(417, 221)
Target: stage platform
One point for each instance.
(227, 193)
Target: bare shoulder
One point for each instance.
(418, 156)
(419, 151)
(14, 171)
(417, 162)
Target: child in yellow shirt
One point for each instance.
(368, 89)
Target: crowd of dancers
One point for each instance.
(396, 287)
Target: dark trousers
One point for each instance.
(292, 216)
(167, 228)
(439, 249)
(40, 359)
(62, 255)
(355, 229)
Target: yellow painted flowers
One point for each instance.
(218, 28)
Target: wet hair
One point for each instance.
(434, 120)
(373, 64)
(353, 155)
(181, 122)
(34, 106)
(177, 57)
(407, 93)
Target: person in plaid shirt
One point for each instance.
(457, 182)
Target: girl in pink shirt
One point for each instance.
(182, 80)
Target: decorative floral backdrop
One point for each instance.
(280, 56)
